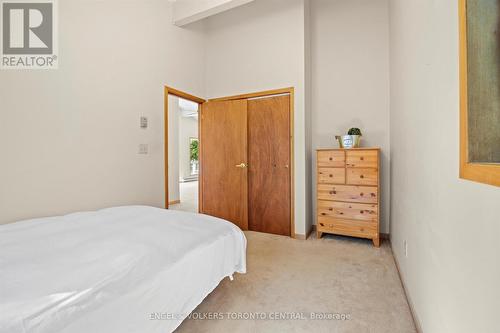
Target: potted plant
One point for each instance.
(351, 140)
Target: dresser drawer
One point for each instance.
(347, 227)
(348, 210)
(362, 194)
(362, 158)
(331, 158)
(331, 175)
(362, 176)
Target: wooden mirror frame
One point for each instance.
(478, 172)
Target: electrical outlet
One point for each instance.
(144, 122)
(143, 149)
(405, 246)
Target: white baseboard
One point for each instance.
(416, 321)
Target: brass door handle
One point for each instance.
(242, 165)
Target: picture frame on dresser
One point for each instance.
(348, 192)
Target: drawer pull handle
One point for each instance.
(321, 224)
(330, 209)
(341, 213)
(361, 194)
(373, 194)
(361, 176)
(362, 211)
(331, 176)
(323, 214)
(331, 158)
(362, 158)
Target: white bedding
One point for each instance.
(109, 270)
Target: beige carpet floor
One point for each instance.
(188, 192)
(336, 275)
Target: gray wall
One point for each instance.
(261, 46)
(69, 137)
(173, 148)
(188, 128)
(350, 79)
(452, 226)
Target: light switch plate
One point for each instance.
(143, 149)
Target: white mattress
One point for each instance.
(109, 270)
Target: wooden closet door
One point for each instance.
(269, 165)
(223, 134)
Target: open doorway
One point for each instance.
(182, 167)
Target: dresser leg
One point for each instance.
(319, 234)
(376, 242)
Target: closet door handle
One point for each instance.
(242, 165)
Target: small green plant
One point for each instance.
(193, 150)
(354, 131)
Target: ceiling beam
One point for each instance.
(189, 11)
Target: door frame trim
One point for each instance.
(270, 93)
(178, 93)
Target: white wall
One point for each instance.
(309, 169)
(188, 128)
(69, 137)
(180, 129)
(173, 148)
(350, 78)
(257, 47)
(452, 226)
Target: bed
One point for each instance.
(122, 269)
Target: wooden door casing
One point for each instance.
(269, 177)
(224, 139)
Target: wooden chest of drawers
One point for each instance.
(348, 192)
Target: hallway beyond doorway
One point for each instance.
(188, 196)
